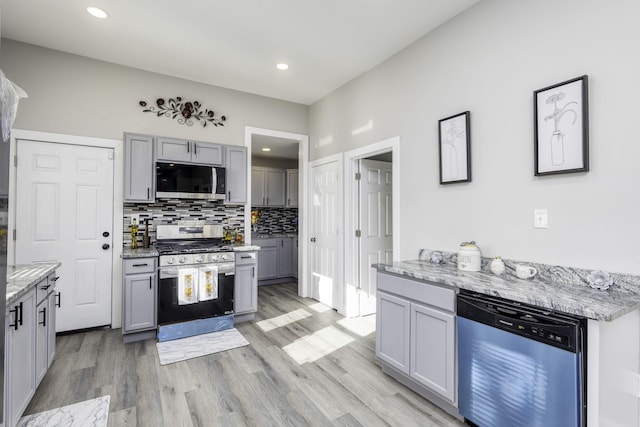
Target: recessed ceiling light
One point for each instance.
(282, 66)
(98, 13)
(266, 149)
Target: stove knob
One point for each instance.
(226, 257)
(182, 259)
(199, 258)
(170, 260)
(215, 258)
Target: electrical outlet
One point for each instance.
(540, 218)
(135, 219)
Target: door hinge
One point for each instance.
(15, 161)
(358, 176)
(358, 233)
(14, 234)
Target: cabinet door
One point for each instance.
(258, 197)
(51, 328)
(139, 302)
(20, 354)
(208, 153)
(42, 340)
(275, 189)
(139, 170)
(392, 331)
(236, 170)
(177, 150)
(268, 259)
(285, 257)
(292, 188)
(246, 289)
(433, 349)
(294, 257)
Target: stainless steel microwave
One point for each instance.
(183, 181)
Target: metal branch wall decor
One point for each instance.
(186, 112)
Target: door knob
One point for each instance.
(105, 246)
(313, 239)
(105, 234)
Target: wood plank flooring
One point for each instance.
(306, 366)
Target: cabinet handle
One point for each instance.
(253, 272)
(288, 202)
(245, 256)
(55, 279)
(21, 314)
(45, 287)
(44, 317)
(229, 197)
(188, 144)
(59, 302)
(195, 149)
(150, 283)
(148, 193)
(267, 200)
(14, 325)
(140, 265)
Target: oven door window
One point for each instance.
(170, 310)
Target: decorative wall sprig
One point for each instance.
(184, 111)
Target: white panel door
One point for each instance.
(376, 240)
(326, 208)
(64, 204)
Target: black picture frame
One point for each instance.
(454, 148)
(561, 145)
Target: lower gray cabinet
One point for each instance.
(416, 335)
(20, 353)
(140, 297)
(276, 258)
(285, 257)
(246, 285)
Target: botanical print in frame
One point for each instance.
(455, 148)
(561, 127)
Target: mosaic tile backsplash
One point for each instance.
(277, 220)
(170, 211)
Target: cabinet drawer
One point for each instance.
(243, 258)
(423, 292)
(139, 265)
(43, 288)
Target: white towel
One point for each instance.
(208, 283)
(187, 286)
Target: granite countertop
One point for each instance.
(577, 299)
(246, 248)
(257, 236)
(128, 253)
(21, 278)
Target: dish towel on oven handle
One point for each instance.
(187, 286)
(208, 283)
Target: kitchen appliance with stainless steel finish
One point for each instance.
(193, 247)
(519, 365)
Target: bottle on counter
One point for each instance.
(134, 234)
(497, 266)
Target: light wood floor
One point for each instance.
(306, 365)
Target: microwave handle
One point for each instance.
(214, 181)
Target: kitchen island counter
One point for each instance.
(21, 278)
(543, 290)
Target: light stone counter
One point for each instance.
(128, 253)
(554, 287)
(21, 278)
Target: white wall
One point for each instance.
(489, 60)
(75, 95)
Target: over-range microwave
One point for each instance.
(183, 181)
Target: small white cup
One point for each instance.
(525, 271)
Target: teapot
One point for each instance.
(469, 258)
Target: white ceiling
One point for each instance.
(234, 44)
(281, 148)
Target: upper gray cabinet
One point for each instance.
(292, 188)
(183, 151)
(268, 186)
(236, 174)
(139, 172)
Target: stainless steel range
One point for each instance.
(196, 273)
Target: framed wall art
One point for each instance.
(454, 148)
(561, 127)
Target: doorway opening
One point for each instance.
(372, 220)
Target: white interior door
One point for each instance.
(376, 231)
(325, 254)
(64, 206)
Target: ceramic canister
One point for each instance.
(469, 257)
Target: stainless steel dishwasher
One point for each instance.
(519, 365)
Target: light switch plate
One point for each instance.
(135, 217)
(540, 218)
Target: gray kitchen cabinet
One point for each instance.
(268, 259)
(45, 326)
(268, 186)
(285, 257)
(246, 286)
(294, 257)
(139, 170)
(415, 336)
(292, 188)
(139, 298)
(236, 174)
(20, 353)
(184, 151)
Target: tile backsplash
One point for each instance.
(277, 220)
(170, 211)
